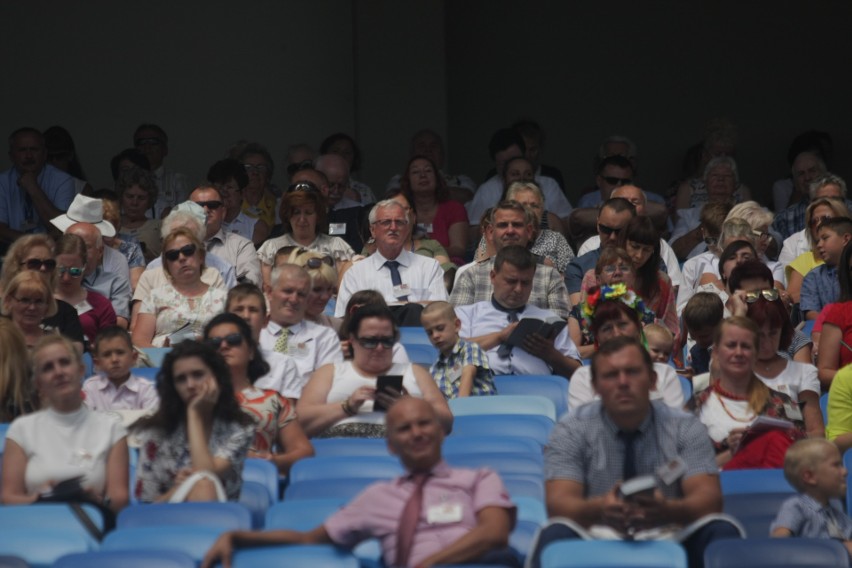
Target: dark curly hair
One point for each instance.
(172, 410)
(257, 366)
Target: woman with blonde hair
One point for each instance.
(179, 309)
(16, 396)
(27, 301)
(760, 220)
(323, 275)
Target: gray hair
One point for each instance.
(615, 138)
(824, 180)
(384, 204)
(752, 213)
(518, 186)
(735, 229)
(184, 215)
(289, 270)
(722, 161)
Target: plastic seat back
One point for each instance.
(504, 404)
(552, 387)
(316, 556)
(317, 468)
(194, 541)
(325, 447)
(41, 547)
(754, 481)
(225, 516)
(49, 516)
(302, 514)
(424, 355)
(528, 425)
(776, 553)
(410, 335)
(126, 559)
(613, 553)
(263, 472)
(256, 499)
(755, 511)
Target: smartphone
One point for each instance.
(383, 384)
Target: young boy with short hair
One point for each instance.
(702, 314)
(815, 468)
(821, 286)
(462, 366)
(247, 301)
(660, 342)
(115, 387)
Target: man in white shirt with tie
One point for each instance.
(491, 323)
(309, 344)
(398, 274)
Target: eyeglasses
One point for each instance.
(232, 339)
(211, 205)
(174, 254)
(302, 186)
(762, 235)
(36, 264)
(611, 180)
(149, 142)
(386, 223)
(607, 230)
(770, 294)
(817, 221)
(373, 342)
(256, 168)
(317, 262)
(299, 166)
(73, 271)
(39, 303)
(612, 268)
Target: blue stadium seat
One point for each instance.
(89, 363)
(776, 553)
(755, 511)
(467, 444)
(501, 462)
(409, 335)
(344, 488)
(301, 514)
(371, 467)
(808, 329)
(225, 516)
(613, 553)
(263, 472)
(4, 427)
(350, 447)
(126, 559)
(192, 540)
(754, 481)
(528, 425)
(532, 510)
(847, 463)
(41, 547)
(256, 498)
(317, 556)
(823, 406)
(686, 385)
(424, 355)
(149, 373)
(504, 404)
(552, 387)
(529, 486)
(50, 516)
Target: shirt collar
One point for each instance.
(441, 469)
(275, 328)
(220, 236)
(457, 348)
(404, 258)
(643, 427)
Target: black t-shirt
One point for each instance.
(66, 321)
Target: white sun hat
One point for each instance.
(85, 210)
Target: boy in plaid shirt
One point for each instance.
(462, 366)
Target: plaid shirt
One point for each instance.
(819, 288)
(447, 371)
(792, 219)
(548, 290)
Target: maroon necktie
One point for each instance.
(408, 520)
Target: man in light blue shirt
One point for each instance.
(31, 192)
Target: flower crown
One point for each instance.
(618, 292)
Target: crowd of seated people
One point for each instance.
(279, 308)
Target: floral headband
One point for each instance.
(618, 292)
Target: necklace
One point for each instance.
(719, 396)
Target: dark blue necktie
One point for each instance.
(512, 316)
(396, 279)
(629, 438)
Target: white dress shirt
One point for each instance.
(488, 195)
(283, 376)
(310, 345)
(482, 318)
(794, 246)
(666, 253)
(420, 273)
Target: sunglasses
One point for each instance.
(317, 262)
(232, 339)
(817, 221)
(762, 235)
(607, 230)
(211, 205)
(37, 264)
(174, 254)
(73, 271)
(302, 186)
(616, 180)
(373, 342)
(299, 166)
(770, 294)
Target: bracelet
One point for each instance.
(347, 408)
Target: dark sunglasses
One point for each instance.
(299, 166)
(302, 186)
(73, 271)
(317, 262)
(211, 205)
(617, 180)
(174, 254)
(770, 294)
(373, 342)
(36, 264)
(232, 339)
(607, 230)
(817, 221)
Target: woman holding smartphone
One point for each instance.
(344, 399)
